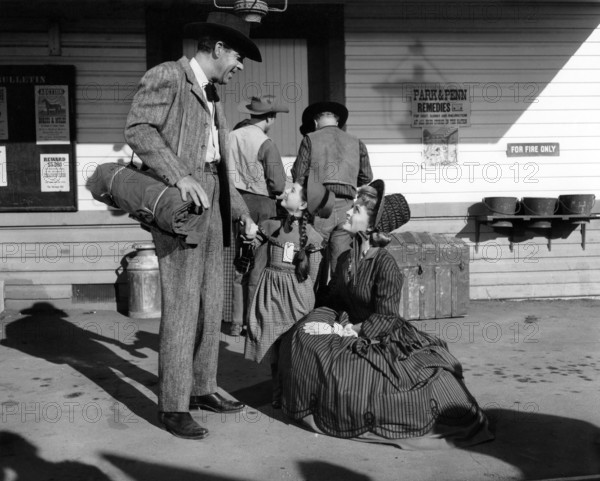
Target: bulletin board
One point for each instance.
(37, 138)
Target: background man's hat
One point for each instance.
(232, 30)
(312, 110)
(261, 106)
(320, 200)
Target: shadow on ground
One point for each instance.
(46, 333)
(145, 471)
(21, 457)
(543, 446)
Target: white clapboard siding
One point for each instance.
(43, 254)
(532, 75)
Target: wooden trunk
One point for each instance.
(435, 268)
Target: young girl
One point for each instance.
(285, 290)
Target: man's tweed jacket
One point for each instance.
(153, 131)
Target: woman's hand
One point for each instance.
(349, 331)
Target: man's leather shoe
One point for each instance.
(216, 403)
(182, 425)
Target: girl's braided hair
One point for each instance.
(301, 258)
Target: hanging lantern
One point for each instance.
(251, 10)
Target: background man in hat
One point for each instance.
(340, 161)
(259, 177)
(177, 127)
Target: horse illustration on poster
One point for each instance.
(52, 108)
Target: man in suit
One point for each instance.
(177, 127)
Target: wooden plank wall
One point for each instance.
(108, 51)
(532, 73)
(389, 44)
(532, 68)
(541, 264)
(42, 255)
(282, 73)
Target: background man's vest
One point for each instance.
(335, 156)
(244, 144)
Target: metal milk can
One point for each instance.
(144, 282)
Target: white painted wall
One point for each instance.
(533, 74)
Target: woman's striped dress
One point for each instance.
(393, 384)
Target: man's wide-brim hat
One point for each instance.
(262, 106)
(393, 210)
(230, 29)
(313, 110)
(320, 201)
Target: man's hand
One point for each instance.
(189, 185)
(250, 228)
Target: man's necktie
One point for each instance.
(211, 92)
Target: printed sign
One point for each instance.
(54, 172)
(440, 146)
(3, 115)
(3, 177)
(52, 114)
(544, 149)
(437, 105)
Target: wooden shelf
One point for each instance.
(583, 220)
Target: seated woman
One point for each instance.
(353, 368)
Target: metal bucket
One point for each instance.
(502, 206)
(539, 206)
(144, 282)
(576, 204)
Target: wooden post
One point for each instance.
(54, 48)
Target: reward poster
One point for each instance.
(54, 170)
(52, 114)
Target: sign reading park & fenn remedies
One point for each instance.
(441, 105)
(528, 149)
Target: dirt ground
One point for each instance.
(78, 402)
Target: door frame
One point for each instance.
(321, 25)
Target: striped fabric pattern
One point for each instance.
(394, 381)
(228, 275)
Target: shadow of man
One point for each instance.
(543, 446)
(45, 333)
(247, 381)
(140, 470)
(21, 457)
